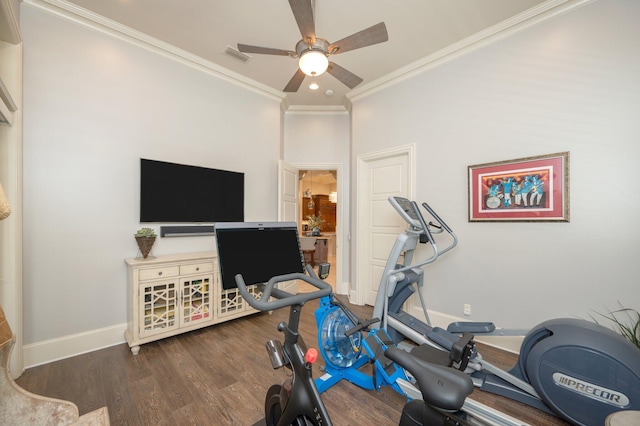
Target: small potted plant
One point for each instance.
(145, 237)
(315, 224)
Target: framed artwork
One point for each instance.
(534, 189)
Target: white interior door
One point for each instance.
(379, 176)
(288, 205)
(287, 192)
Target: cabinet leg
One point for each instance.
(135, 350)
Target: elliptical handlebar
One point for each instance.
(437, 218)
(410, 212)
(425, 230)
(284, 298)
(444, 226)
(425, 227)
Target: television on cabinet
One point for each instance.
(258, 251)
(171, 192)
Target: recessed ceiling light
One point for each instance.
(313, 86)
(329, 92)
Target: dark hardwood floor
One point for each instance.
(219, 376)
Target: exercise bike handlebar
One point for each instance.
(284, 298)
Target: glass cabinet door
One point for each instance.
(196, 300)
(158, 310)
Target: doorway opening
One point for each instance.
(319, 218)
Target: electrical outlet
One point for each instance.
(466, 309)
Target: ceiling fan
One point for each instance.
(313, 52)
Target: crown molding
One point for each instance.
(9, 26)
(508, 27)
(88, 19)
(287, 108)
(317, 109)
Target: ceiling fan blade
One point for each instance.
(372, 35)
(303, 13)
(264, 50)
(347, 78)
(294, 84)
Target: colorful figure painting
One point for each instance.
(526, 189)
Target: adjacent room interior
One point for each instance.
(318, 204)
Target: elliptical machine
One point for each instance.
(571, 368)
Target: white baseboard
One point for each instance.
(342, 288)
(353, 296)
(64, 347)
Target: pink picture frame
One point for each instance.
(533, 189)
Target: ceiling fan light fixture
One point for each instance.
(313, 63)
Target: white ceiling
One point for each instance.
(420, 31)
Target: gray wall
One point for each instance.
(570, 84)
(313, 138)
(93, 106)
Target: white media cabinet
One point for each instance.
(169, 295)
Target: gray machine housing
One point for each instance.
(567, 360)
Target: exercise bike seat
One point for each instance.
(441, 387)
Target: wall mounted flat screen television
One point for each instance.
(172, 192)
(258, 251)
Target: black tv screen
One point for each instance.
(258, 251)
(172, 192)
